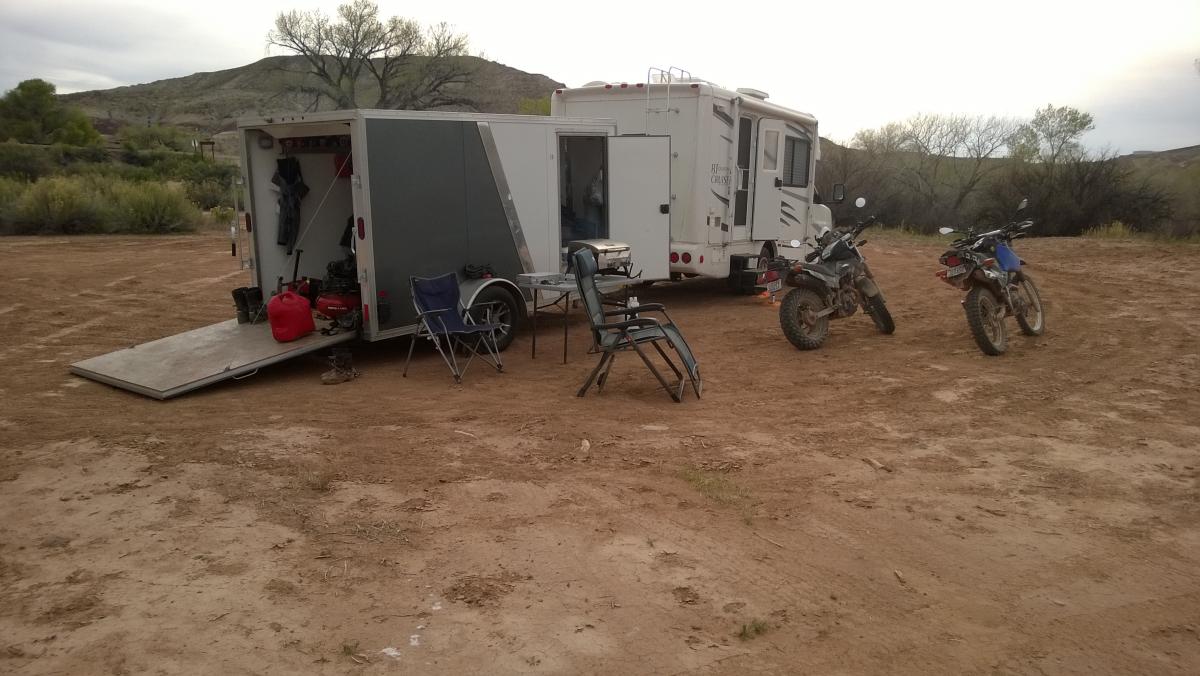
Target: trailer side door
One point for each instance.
(639, 197)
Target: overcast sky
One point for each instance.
(852, 63)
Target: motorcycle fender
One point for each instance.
(868, 287)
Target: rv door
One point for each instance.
(768, 180)
(639, 196)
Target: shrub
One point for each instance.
(11, 192)
(59, 205)
(29, 162)
(1114, 230)
(155, 138)
(209, 193)
(152, 208)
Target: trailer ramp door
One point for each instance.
(171, 366)
(639, 195)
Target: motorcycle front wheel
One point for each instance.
(1033, 319)
(985, 316)
(880, 315)
(797, 318)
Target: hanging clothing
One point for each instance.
(291, 191)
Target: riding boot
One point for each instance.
(243, 310)
(254, 304)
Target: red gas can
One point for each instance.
(290, 316)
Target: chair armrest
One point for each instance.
(433, 312)
(638, 323)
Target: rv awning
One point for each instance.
(171, 366)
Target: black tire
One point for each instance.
(985, 316)
(880, 315)
(805, 336)
(496, 305)
(1033, 320)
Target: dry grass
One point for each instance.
(714, 486)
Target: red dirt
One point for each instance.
(1041, 515)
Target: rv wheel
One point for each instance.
(495, 305)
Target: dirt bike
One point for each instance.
(832, 283)
(985, 266)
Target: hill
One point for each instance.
(212, 101)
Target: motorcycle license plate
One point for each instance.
(956, 271)
(774, 285)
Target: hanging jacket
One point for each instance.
(291, 191)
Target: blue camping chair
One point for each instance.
(631, 332)
(440, 318)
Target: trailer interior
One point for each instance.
(583, 189)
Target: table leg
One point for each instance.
(566, 313)
(533, 350)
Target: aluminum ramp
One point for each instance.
(172, 366)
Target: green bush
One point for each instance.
(11, 192)
(59, 205)
(29, 162)
(152, 208)
(155, 138)
(209, 193)
(93, 203)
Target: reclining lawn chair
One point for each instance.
(440, 319)
(631, 333)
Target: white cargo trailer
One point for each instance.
(742, 186)
(420, 193)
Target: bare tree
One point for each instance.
(359, 54)
(983, 139)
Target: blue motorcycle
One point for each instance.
(986, 267)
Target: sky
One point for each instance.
(854, 64)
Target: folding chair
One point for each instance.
(440, 318)
(631, 333)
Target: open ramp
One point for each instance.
(171, 366)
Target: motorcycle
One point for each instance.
(832, 283)
(985, 266)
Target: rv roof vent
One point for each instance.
(596, 83)
(756, 93)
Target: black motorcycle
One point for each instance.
(832, 283)
(985, 266)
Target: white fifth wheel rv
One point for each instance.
(387, 195)
(742, 186)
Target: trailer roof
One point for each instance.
(333, 116)
(687, 88)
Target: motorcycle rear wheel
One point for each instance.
(1033, 320)
(797, 306)
(985, 317)
(880, 315)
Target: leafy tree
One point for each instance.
(1052, 135)
(32, 113)
(534, 106)
(401, 64)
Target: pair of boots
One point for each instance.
(249, 301)
(343, 368)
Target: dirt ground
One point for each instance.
(1035, 513)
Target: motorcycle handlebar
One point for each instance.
(811, 256)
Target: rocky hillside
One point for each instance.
(212, 101)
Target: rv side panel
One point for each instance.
(434, 208)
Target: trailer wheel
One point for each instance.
(495, 305)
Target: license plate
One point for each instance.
(956, 271)
(774, 285)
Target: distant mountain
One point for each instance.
(213, 101)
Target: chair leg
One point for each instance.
(411, 344)
(680, 382)
(451, 362)
(604, 359)
(607, 369)
(662, 381)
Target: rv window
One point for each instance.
(796, 155)
(771, 151)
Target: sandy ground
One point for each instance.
(1037, 513)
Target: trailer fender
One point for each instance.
(470, 288)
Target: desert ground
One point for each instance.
(884, 505)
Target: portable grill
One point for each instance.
(611, 257)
